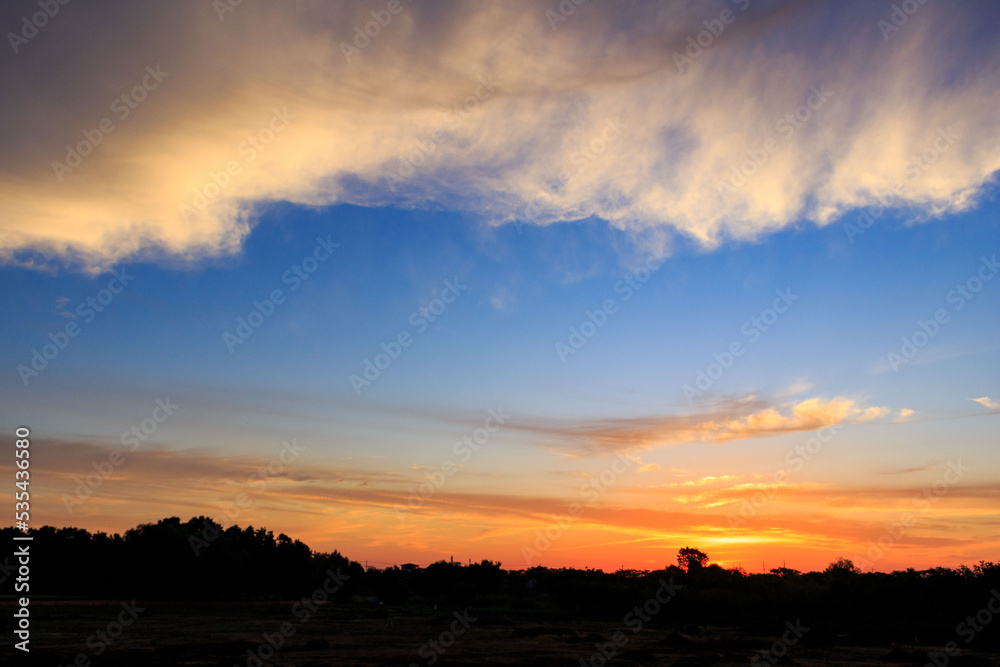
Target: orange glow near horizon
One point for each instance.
(632, 524)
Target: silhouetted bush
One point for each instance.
(199, 560)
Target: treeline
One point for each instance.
(170, 560)
(199, 560)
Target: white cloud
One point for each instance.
(987, 402)
(592, 119)
(502, 299)
(725, 422)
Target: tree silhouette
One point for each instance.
(691, 559)
(785, 572)
(199, 560)
(842, 566)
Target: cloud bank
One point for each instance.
(725, 421)
(154, 130)
(822, 516)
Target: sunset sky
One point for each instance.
(544, 283)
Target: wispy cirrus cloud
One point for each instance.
(485, 109)
(726, 421)
(352, 508)
(987, 402)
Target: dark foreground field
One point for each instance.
(243, 597)
(228, 634)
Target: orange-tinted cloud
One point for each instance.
(728, 420)
(988, 402)
(486, 109)
(355, 510)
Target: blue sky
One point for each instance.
(168, 324)
(162, 337)
(485, 195)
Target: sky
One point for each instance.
(543, 283)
